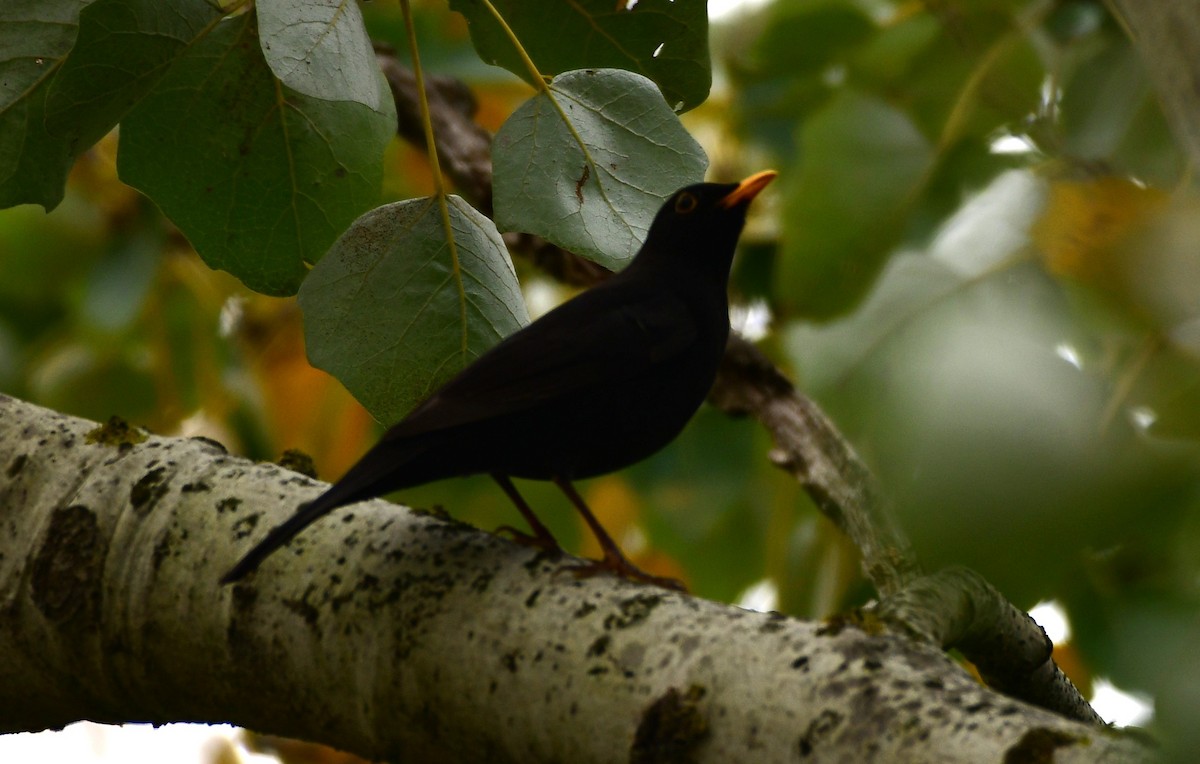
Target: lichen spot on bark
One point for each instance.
(672, 728)
(67, 568)
(116, 432)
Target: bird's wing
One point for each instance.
(603, 337)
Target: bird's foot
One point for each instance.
(539, 540)
(622, 567)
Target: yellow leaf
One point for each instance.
(1085, 221)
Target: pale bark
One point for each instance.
(406, 636)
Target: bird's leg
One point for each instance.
(542, 537)
(614, 561)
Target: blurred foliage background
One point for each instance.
(980, 258)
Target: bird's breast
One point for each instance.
(622, 424)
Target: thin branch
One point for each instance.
(958, 608)
(810, 448)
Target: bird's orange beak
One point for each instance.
(747, 189)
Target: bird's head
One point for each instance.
(704, 220)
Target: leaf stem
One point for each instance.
(516, 43)
(544, 87)
(438, 182)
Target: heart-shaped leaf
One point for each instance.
(395, 308)
(35, 35)
(587, 164)
(664, 40)
(261, 179)
(124, 48)
(864, 161)
(319, 48)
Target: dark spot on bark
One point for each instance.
(1038, 745)
(509, 661)
(532, 599)
(16, 465)
(819, 729)
(304, 609)
(243, 598)
(148, 490)
(481, 582)
(672, 728)
(633, 611)
(774, 622)
(195, 487)
(585, 609)
(599, 647)
(215, 445)
(297, 461)
(801, 663)
(162, 550)
(66, 571)
(228, 505)
(245, 526)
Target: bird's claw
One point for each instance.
(543, 541)
(624, 569)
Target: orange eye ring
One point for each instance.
(685, 203)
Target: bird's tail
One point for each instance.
(374, 475)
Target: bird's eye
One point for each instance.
(685, 203)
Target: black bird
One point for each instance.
(599, 383)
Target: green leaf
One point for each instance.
(863, 164)
(35, 35)
(320, 48)
(124, 48)
(599, 198)
(259, 178)
(394, 311)
(660, 39)
(986, 237)
(1110, 113)
(978, 74)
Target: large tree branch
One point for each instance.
(398, 634)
